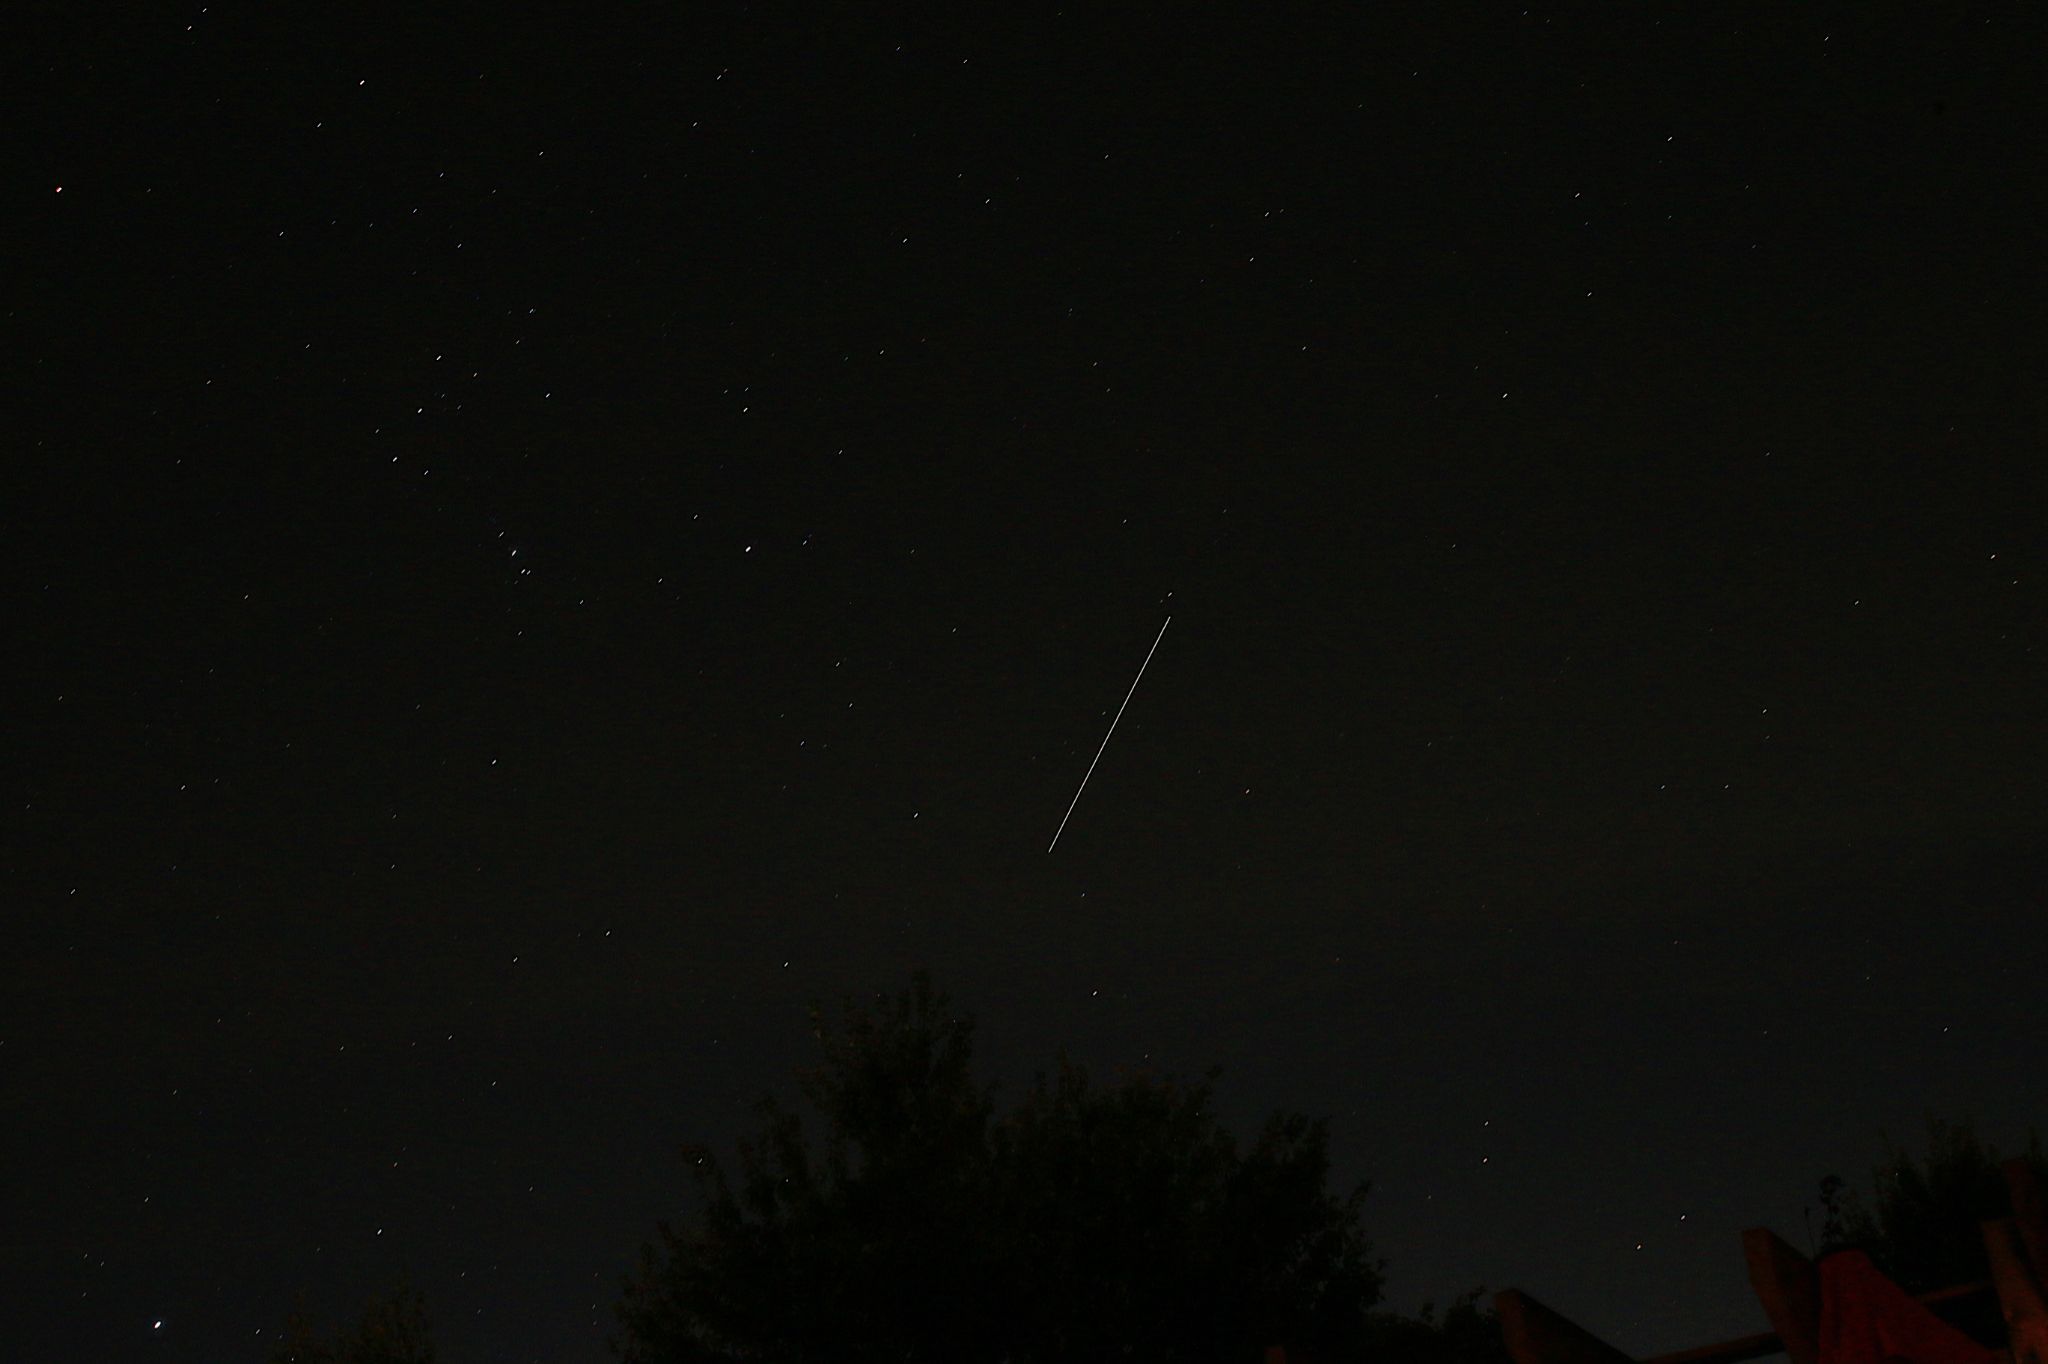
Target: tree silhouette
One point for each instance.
(1118, 1221)
(392, 1330)
(1920, 1224)
(1463, 1333)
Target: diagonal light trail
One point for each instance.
(1105, 738)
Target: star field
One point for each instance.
(542, 549)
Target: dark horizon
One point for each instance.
(541, 550)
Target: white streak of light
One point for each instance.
(1105, 738)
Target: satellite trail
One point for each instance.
(1105, 738)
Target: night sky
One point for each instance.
(537, 549)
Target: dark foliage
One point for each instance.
(392, 1330)
(1920, 1222)
(1464, 1333)
(1089, 1222)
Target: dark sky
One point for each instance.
(538, 549)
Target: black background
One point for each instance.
(539, 547)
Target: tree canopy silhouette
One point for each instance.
(392, 1330)
(1466, 1332)
(918, 1223)
(1920, 1223)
